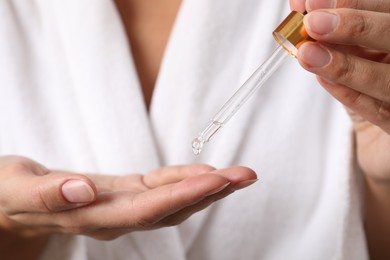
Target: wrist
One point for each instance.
(377, 217)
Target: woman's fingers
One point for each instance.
(157, 177)
(185, 213)
(162, 198)
(298, 5)
(177, 197)
(163, 176)
(177, 217)
(373, 110)
(350, 27)
(351, 55)
(365, 76)
(371, 5)
(172, 174)
(144, 210)
(240, 178)
(138, 211)
(172, 199)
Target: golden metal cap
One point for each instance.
(291, 33)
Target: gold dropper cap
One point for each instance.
(291, 33)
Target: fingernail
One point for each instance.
(217, 189)
(314, 55)
(320, 4)
(77, 191)
(244, 184)
(321, 22)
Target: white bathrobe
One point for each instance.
(70, 98)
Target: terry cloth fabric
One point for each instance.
(71, 99)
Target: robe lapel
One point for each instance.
(99, 63)
(94, 47)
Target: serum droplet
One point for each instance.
(205, 136)
(197, 146)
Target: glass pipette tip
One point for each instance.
(290, 34)
(255, 82)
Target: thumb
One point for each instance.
(61, 191)
(26, 186)
(52, 192)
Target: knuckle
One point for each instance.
(38, 201)
(383, 111)
(358, 25)
(355, 4)
(17, 167)
(344, 68)
(352, 99)
(349, 70)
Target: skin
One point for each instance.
(148, 25)
(352, 62)
(164, 197)
(34, 200)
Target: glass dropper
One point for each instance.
(290, 34)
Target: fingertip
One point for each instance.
(308, 8)
(246, 172)
(244, 184)
(237, 174)
(313, 56)
(297, 5)
(320, 4)
(218, 189)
